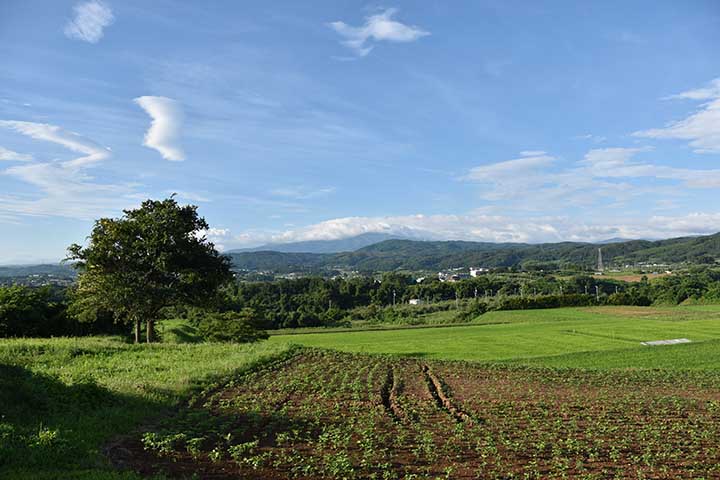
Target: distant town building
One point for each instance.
(452, 276)
(416, 301)
(474, 272)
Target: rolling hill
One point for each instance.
(435, 255)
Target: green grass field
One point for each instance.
(607, 337)
(61, 399)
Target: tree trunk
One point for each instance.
(150, 325)
(137, 330)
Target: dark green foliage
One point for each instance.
(309, 302)
(151, 258)
(42, 312)
(238, 327)
(544, 301)
(472, 310)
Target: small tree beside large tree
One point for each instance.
(152, 257)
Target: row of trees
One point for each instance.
(154, 261)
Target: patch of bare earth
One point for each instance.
(334, 415)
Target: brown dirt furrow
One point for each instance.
(443, 400)
(389, 395)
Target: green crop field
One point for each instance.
(550, 337)
(65, 401)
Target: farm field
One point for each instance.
(556, 384)
(337, 415)
(533, 335)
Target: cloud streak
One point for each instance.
(63, 188)
(536, 181)
(90, 21)
(302, 193)
(164, 132)
(92, 152)
(702, 128)
(377, 28)
(10, 156)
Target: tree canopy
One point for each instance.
(152, 257)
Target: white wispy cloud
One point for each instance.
(378, 27)
(592, 138)
(302, 193)
(708, 92)
(164, 132)
(536, 181)
(702, 128)
(188, 196)
(215, 235)
(62, 188)
(510, 178)
(618, 163)
(11, 156)
(510, 169)
(90, 21)
(93, 152)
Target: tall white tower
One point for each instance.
(600, 266)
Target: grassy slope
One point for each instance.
(61, 399)
(528, 334)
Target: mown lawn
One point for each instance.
(62, 399)
(540, 334)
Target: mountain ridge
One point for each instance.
(431, 255)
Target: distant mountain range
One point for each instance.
(436, 255)
(324, 246)
(60, 270)
(372, 252)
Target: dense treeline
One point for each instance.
(311, 302)
(318, 302)
(43, 312)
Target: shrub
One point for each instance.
(239, 327)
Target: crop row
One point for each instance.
(334, 415)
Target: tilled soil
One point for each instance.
(336, 415)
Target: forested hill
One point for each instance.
(421, 255)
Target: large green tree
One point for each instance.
(152, 257)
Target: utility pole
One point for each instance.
(597, 293)
(586, 290)
(476, 293)
(561, 290)
(394, 297)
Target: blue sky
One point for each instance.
(483, 120)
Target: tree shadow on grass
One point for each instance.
(181, 334)
(48, 425)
